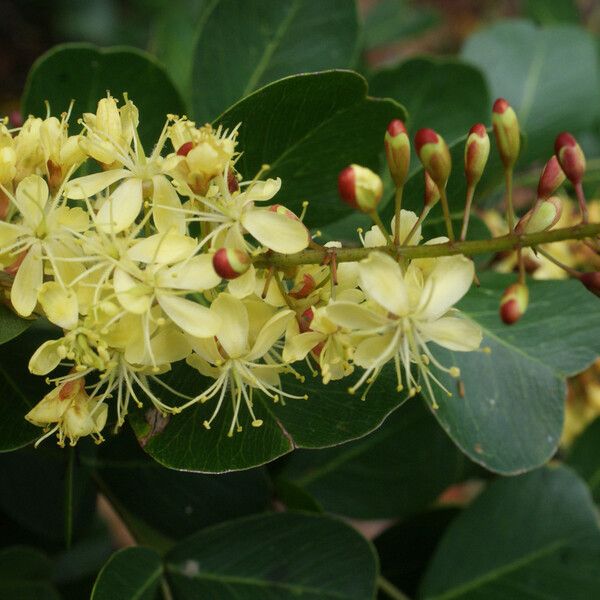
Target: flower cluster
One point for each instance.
(155, 258)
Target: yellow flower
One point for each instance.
(242, 357)
(70, 412)
(406, 311)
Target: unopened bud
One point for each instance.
(551, 179)
(397, 151)
(591, 281)
(542, 217)
(506, 131)
(433, 153)
(477, 151)
(514, 303)
(432, 193)
(570, 157)
(360, 188)
(230, 263)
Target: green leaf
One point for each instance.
(245, 44)
(549, 75)
(11, 325)
(330, 416)
(447, 95)
(398, 469)
(584, 457)
(33, 493)
(548, 13)
(25, 574)
(175, 503)
(406, 548)
(511, 416)
(19, 391)
(534, 536)
(129, 573)
(277, 556)
(307, 128)
(174, 37)
(84, 72)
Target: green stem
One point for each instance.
(398, 209)
(377, 220)
(510, 214)
(465, 223)
(69, 498)
(447, 218)
(390, 590)
(468, 248)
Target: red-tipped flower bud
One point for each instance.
(304, 288)
(230, 263)
(360, 188)
(542, 217)
(570, 157)
(432, 193)
(184, 149)
(591, 281)
(477, 151)
(433, 153)
(506, 131)
(514, 303)
(551, 179)
(397, 151)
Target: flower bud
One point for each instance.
(542, 217)
(591, 281)
(570, 157)
(433, 153)
(551, 179)
(360, 188)
(477, 151)
(230, 263)
(232, 182)
(514, 303)
(506, 131)
(397, 151)
(432, 193)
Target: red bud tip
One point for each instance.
(591, 281)
(184, 149)
(514, 303)
(346, 186)
(305, 320)
(396, 127)
(230, 263)
(360, 188)
(478, 129)
(425, 136)
(551, 179)
(570, 157)
(500, 106)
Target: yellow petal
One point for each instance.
(275, 231)
(28, 281)
(89, 185)
(353, 316)
(374, 350)
(193, 318)
(233, 333)
(122, 207)
(31, 197)
(132, 295)
(298, 346)
(262, 190)
(453, 333)
(271, 331)
(162, 248)
(244, 285)
(166, 206)
(381, 280)
(46, 358)
(59, 304)
(196, 274)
